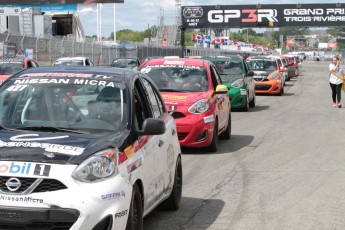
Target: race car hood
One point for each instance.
(57, 147)
(183, 99)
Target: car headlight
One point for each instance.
(200, 106)
(274, 76)
(98, 167)
(238, 83)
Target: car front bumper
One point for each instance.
(80, 206)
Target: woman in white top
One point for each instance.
(335, 82)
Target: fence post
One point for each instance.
(22, 44)
(37, 46)
(63, 38)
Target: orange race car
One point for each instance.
(268, 75)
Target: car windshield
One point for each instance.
(10, 67)
(229, 70)
(178, 78)
(67, 103)
(69, 63)
(124, 63)
(264, 65)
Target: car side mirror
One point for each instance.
(221, 89)
(250, 74)
(152, 126)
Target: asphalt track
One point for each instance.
(284, 167)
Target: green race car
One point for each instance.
(236, 75)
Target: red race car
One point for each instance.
(10, 66)
(195, 95)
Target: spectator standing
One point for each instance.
(336, 81)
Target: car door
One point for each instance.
(222, 100)
(155, 146)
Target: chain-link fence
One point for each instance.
(47, 50)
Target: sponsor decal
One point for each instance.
(129, 151)
(36, 137)
(243, 92)
(10, 215)
(24, 199)
(172, 108)
(208, 119)
(174, 97)
(121, 214)
(58, 81)
(23, 141)
(24, 168)
(135, 165)
(113, 196)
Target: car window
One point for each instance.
(64, 103)
(154, 100)
(215, 78)
(175, 78)
(141, 107)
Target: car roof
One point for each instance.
(70, 58)
(225, 58)
(176, 61)
(112, 74)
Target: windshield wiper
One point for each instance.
(51, 129)
(170, 90)
(5, 128)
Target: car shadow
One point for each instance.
(194, 213)
(236, 143)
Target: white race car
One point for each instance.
(72, 158)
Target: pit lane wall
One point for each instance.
(47, 50)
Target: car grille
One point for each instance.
(46, 185)
(262, 87)
(177, 115)
(37, 226)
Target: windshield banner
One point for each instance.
(240, 16)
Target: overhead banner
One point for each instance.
(239, 16)
(21, 2)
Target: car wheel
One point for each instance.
(227, 133)
(173, 202)
(135, 215)
(215, 139)
(252, 102)
(246, 106)
(281, 92)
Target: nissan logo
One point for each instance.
(13, 184)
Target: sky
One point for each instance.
(138, 15)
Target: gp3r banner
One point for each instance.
(239, 16)
(6, 2)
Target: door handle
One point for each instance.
(161, 143)
(173, 132)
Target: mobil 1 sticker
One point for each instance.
(12, 168)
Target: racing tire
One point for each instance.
(281, 92)
(135, 215)
(226, 135)
(173, 202)
(246, 107)
(215, 139)
(252, 102)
